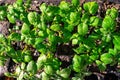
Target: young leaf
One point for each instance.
(74, 18)
(32, 67)
(23, 65)
(85, 17)
(108, 38)
(64, 6)
(38, 40)
(15, 36)
(41, 60)
(82, 29)
(106, 58)
(75, 2)
(3, 39)
(112, 12)
(55, 27)
(48, 69)
(116, 42)
(43, 7)
(45, 76)
(101, 65)
(74, 41)
(65, 73)
(2, 14)
(25, 29)
(77, 63)
(94, 21)
(40, 47)
(17, 70)
(108, 23)
(91, 7)
(27, 58)
(11, 18)
(20, 2)
(21, 75)
(33, 18)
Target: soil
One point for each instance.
(63, 49)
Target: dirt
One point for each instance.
(64, 52)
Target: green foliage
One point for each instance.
(75, 2)
(91, 7)
(32, 67)
(92, 38)
(108, 23)
(112, 12)
(116, 42)
(25, 30)
(82, 29)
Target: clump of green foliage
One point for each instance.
(97, 39)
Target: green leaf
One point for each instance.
(64, 6)
(23, 65)
(25, 29)
(41, 61)
(52, 38)
(77, 63)
(112, 12)
(38, 40)
(30, 41)
(91, 7)
(94, 21)
(113, 52)
(41, 33)
(101, 65)
(11, 18)
(94, 57)
(3, 39)
(2, 63)
(55, 27)
(15, 36)
(106, 58)
(108, 23)
(74, 41)
(43, 7)
(40, 47)
(11, 10)
(66, 36)
(23, 17)
(82, 29)
(85, 17)
(27, 4)
(74, 18)
(80, 49)
(21, 75)
(65, 73)
(27, 58)
(33, 18)
(56, 63)
(48, 69)
(75, 2)
(116, 42)
(108, 38)
(32, 67)
(2, 14)
(17, 70)
(20, 2)
(70, 27)
(45, 76)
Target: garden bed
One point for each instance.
(63, 51)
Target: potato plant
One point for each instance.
(94, 39)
